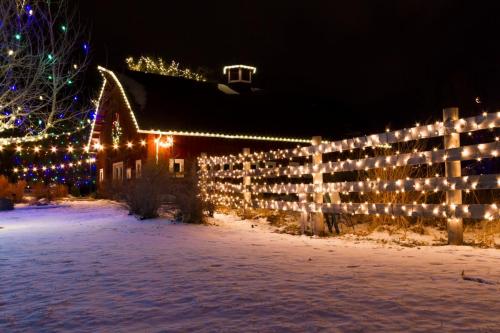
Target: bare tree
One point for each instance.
(43, 56)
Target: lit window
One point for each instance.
(118, 171)
(138, 168)
(176, 166)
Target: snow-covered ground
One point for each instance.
(89, 267)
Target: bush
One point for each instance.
(4, 187)
(75, 191)
(58, 191)
(14, 192)
(188, 199)
(17, 190)
(50, 192)
(144, 195)
(39, 191)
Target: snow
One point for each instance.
(226, 90)
(89, 267)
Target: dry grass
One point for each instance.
(484, 233)
(403, 197)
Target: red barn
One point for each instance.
(147, 117)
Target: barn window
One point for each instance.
(118, 171)
(129, 173)
(138, 168)
(176, 165)
(234, 74)
(245, 75)
(101, 175)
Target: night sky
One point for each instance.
(360, 64)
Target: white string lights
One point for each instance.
(221, 176)
(472, 152)
(52, 166)
(71, 149)
(4, 142)
(381, 140)
(158, 66)
(476, 182)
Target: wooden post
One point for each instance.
(453, 169)
(318, 218)
(334, 199)
(247, 194)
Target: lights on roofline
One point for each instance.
(226, 68)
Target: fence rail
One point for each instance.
(478, 182)
(439, 129)
(256, 179)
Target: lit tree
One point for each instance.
(42, 58)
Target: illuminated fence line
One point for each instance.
(438, 129)
(473, 152)
(246, 186)
(476, 182)
(475, 211)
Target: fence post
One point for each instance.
(247, 194)
(304, 215)
(318, 217)
(453, 169)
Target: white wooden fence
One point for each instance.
(254, 180)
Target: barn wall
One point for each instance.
(113, 103)
(186, 148)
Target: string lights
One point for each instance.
(44, 149)
(381, 140)
(222, 178)
(7, 141)
(472, 152)
(52, 166)
(158, 66)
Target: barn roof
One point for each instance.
(187, 107)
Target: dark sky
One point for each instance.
(360, 63)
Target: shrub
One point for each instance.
(188, 200)
(17, 191)
(14, 192)
(4, 187)
(39, 191)
(50, 192)
(75, 191)
(144, 195)
(58, 191)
